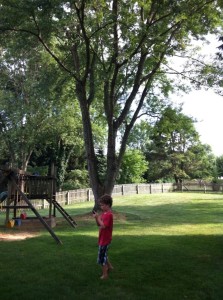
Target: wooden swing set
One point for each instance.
(23, 188)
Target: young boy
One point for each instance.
(105, 223)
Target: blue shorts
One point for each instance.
(102, 255)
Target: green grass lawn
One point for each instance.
(165, 246)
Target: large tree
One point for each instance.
(25, 109)
(35, 110)
(116, 52)
(219, 166)
(176, 151)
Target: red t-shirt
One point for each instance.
(105, 234)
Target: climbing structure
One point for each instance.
(22, 188)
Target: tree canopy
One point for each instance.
(175, 150)
(116, 52)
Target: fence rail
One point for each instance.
(75, 196)
(199, 187)
(83, 195)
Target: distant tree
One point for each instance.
(176, 151)
(140, 136)
(35, 112)
(75, 179)
(220, 53)
(219, 166)
(200, 162)
(133, 167)
(25, 110)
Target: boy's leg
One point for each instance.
(103, 260)
(110, 267)
(104, 272)
(105, 269)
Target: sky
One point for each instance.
(207, 108)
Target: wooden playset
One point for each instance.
(20, 191)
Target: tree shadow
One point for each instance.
(145, 266)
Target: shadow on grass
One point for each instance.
(146, 267)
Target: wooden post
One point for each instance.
(88, 195)
(68, 198)
(7, 211)
(137, 189)
(181, 187)
(122, 188)
(9, 200)
(52, 183)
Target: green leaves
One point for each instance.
(176, 151)
(133, 167)
(117, 55)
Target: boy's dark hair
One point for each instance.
(106, 199)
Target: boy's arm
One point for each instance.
(99, 220)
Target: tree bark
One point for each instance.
(95, 183)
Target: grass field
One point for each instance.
(165, 246)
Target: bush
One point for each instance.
(76, 179)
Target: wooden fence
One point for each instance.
(83, 195)
(199, 187)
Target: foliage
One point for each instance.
(176, 151)
(201, 162)
(32, 116)
(75, 179)
(219, 166)
(40, 170)
(218, 65)
(116, 53)
(36, 113)
(133, 167)
(101, 164)
(24, 108)
(140, 136)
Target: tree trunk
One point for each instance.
(112, 167)
(96, 185)
(25, 161)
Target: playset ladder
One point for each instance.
(63, 212)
